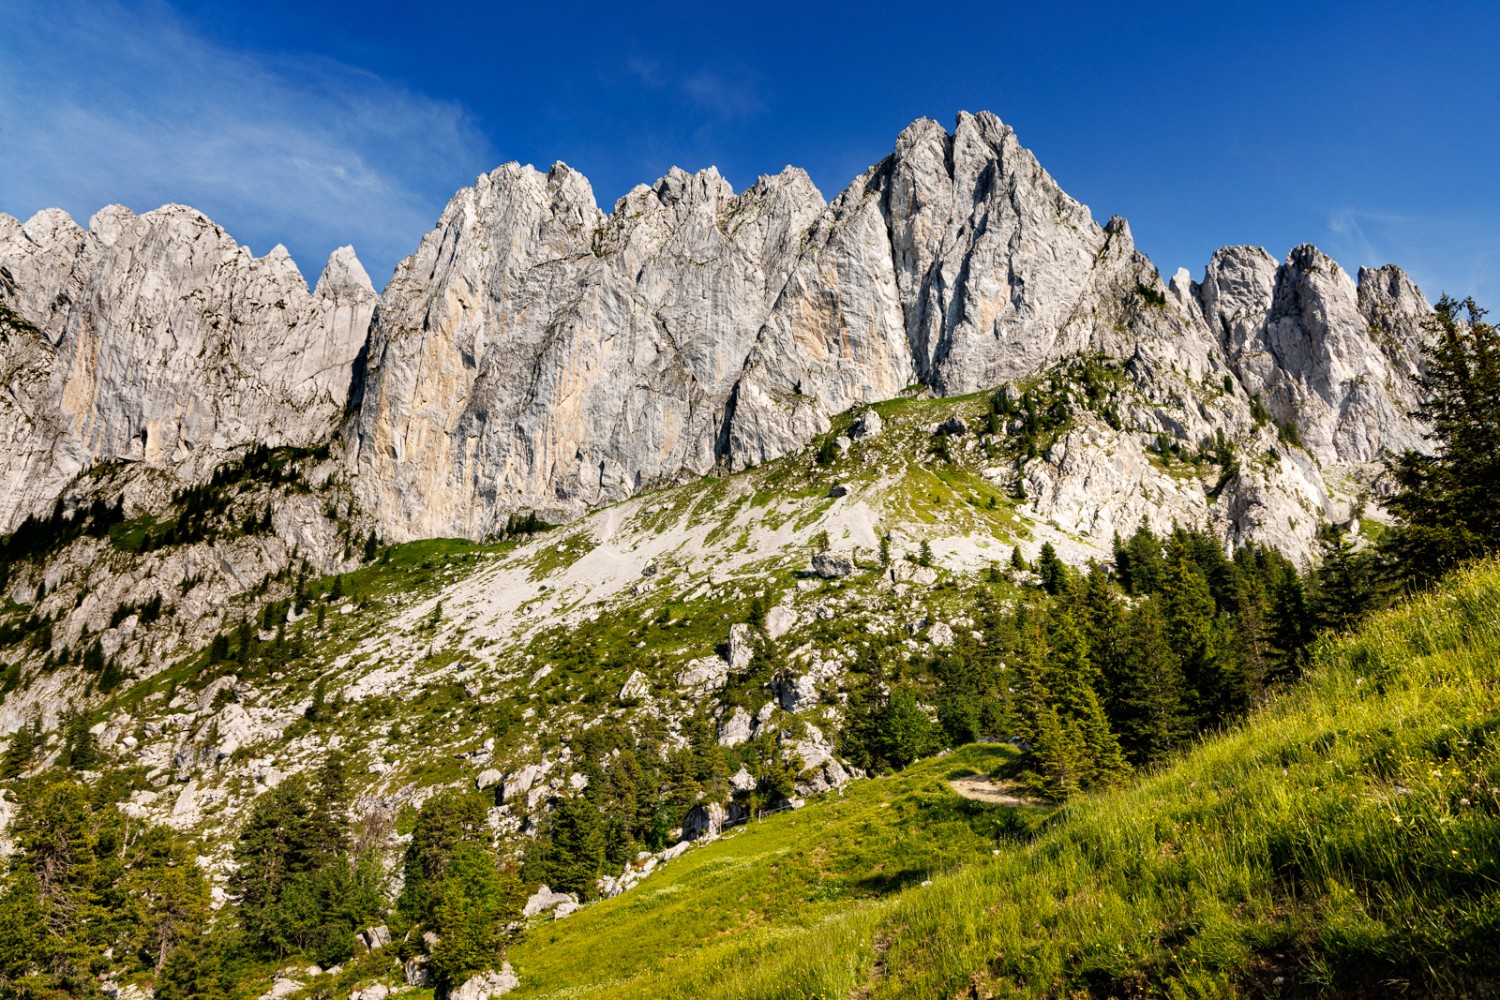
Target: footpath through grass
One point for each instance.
(1344, 841)
(726, 904)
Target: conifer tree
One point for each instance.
(1291, 626)
(1198, 636)
(1147, 707)
(1448, 502)
(444, 822)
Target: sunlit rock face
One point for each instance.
(158, 339)
(538, 355)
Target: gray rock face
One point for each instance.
(832, 565)
(1334, 358)
(545, 899)
(536, 354)
(158, 339)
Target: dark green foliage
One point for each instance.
(1448, 502)
(472, 903)
(1054, 575)
(1147, 688)
(1138, 563)
(1347, 584)
(196, 971)
(78, 885)
(35, 536)
(21, 750)
(446, 821)
(906, 733)
(517, 525)
(575, 853)
(80, 749)
(301, 887)
(1151, 296)
(828, 450)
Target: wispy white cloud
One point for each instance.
(726, 94)
(1443, 253)
(100, 103)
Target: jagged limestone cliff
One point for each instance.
(163, 341)
(537, 355)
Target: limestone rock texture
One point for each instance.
(157, 339)
(538, 355)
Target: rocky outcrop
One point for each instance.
(158, 339)
(1334, 358)
(536, 354)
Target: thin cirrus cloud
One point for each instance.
(722, 95)
(1443, 254)
(100, 105)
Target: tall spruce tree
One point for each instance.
(1448, 502)
(1199, 636)
(1148, 709)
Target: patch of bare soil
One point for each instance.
(982, 789)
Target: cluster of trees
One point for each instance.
(37, 536)
(86, 880)
(1094, 671)
(640, 787)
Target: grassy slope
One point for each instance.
(1346, 839)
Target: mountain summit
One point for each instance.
(537, 355)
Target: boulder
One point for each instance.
(736, 729)
(941, 634)
(545, 899)
(487, 985)
(705, 673)
(780, 620)
(831, 566)
(798, 694)
(704, 821)
(489, 778)
(378, 991)
(374, 937)
(868, 425)
(636, 687)
(743, 781)
(954, 426)
(522, 781)
(741, 647)
(418, 971)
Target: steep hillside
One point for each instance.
(1343, 840)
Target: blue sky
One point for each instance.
(1370, 129)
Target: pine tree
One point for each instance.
(1347, 584)
(1050, 568)
(24, 743)
(1448, 502)
(444, 822)
(1147, 707)
(906, 733)
(472, 904)
(1198, 635)
(575, 856)
(1291, 626)
(1138, 563)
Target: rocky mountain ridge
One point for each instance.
(537, 355)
